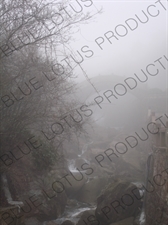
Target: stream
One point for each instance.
(72, 213)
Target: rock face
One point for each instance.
(40, 193)
(44, 205)
(49, 196)
(118, 201)
(51, 209)
(6, 216)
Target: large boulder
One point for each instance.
(74, 182)
(128, 221)
(91, 190)
(32, 221)
(88, 217)
(68, 222)
(51, 223)
(120, 200)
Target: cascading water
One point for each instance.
(85, 148)
(73, 210)
(7, 192)
(71, 165)
(142, 218)
(141, 192)
(73, 213)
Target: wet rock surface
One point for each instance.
(91, 190)
(68, 222)
(129, 221)
(88, 217)
(120, 200)
(32, 221)
(51, 223)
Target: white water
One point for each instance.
(8, 194)
(85, 148)
(71, 165)
(73, 214)
(142, 218)
(141, 192)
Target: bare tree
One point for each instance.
(39, 22)
(33, 95)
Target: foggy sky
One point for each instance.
(130, 53)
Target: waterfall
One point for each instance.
(85, 148)
(71, 165)
(8, 196)
(141, 192)
(142, 218)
